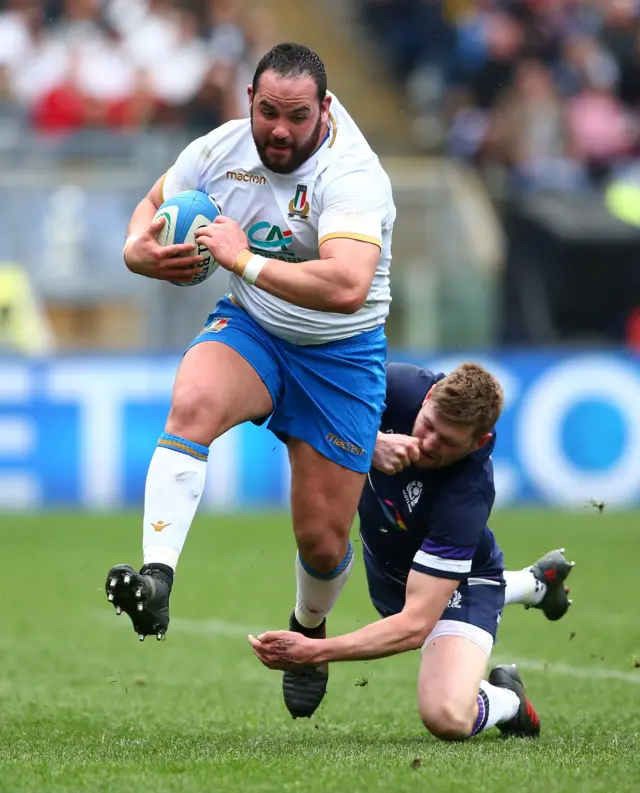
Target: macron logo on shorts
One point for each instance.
(348, 447)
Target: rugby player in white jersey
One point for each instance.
(299, 341)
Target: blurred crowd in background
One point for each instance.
(71, 64)
(546, 90)
(542, 97)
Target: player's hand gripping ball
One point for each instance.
(183, 215)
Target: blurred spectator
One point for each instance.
(415, 32)
(629, 90)
(226, 38)
(260, 36)
(79, 23)
(153, 36)
(503, 41)
(177, 75)
(214, 101)
(620, 28)
(621, 35)
(104, 74)
(15, 36)
(44, 65)
(526, 130)
(584, 61)
(599, 128)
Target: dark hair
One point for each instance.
(293, 60)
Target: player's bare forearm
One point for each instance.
(321, 285)
(144, 213)
(338, 282)
(427, 597)
(142, 216)
(390, 636)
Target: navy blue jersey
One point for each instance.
(434, 521)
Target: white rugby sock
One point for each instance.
(175, 481)
(523, 587)
(495, 705)
(318, 592)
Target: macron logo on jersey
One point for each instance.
(250, 178)
(412, 493)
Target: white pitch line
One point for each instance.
(213, 627)
(238, 630)
(579, 672)
(194, 627)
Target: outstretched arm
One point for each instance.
(427, 597)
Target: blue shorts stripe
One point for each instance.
(182, 445)
(332, 573)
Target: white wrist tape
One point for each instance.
(253, 268)
(248, 266)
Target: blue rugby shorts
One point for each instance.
(330, 395)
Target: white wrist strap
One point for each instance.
(252, 270)
(248, 266)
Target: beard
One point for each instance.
(298, 153)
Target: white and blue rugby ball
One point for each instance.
(184, 214)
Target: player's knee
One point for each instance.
(194, 416)
(323, 554)
(447, 720)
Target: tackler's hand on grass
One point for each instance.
(284, 649)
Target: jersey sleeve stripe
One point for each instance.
(436, 548)
(162, 181)
(437, 573)
(438, 563)
(334, 130)
(350, 235)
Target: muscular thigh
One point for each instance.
(456, 652)
(450, 672)
(228, 375)
(220, 388)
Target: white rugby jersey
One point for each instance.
(342, 191)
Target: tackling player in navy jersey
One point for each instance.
(434, 568)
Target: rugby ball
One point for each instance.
(184, 214)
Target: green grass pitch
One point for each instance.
(85, 707)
